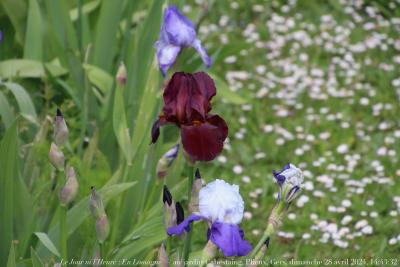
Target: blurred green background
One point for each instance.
(315, 83)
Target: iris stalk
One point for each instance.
(63, 219)
(186, 247)
(273, 224)
(63, 232)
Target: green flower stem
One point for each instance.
(63, 216)
(267, 234)
(63, 232)
(186, 246)
(102, 251)
(209, 252)
(273, 224)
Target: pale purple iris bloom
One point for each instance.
(226, 236)
(177, 32)
(290, 180)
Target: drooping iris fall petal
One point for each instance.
(229, 238)
(204, 141)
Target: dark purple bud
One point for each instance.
(167, 197)
(59, 113)
(267, 242)
(197, 174)
(155, 131)
(180, 214)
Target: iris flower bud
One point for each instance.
(96, 204)
(290, 180)
(97, 209)
(180, 213)
(121, 74)
(70, 189)
(167, 197)
(194, 200)
(163, 257)
(209, 252)
(165, 162)
(60, 129)
(170, 212)
(102, 228)
(56, 157)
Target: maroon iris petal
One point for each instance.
(204, 141)
(155, 129)
(220, 123)
(187, 97)
(205, 84)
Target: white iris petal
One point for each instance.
(220, 201)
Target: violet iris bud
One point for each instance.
(221, 205)
(177, 32)
(56, 157)
(290, 180)
(70, 189)
(60, 129)
(187, 105)
(165, 162)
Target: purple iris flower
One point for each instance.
(177, 32)
(221, 206)
(290, 180)
(1, 36)
(226, 236)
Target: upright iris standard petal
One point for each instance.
(187, 97)
(176, 32)
(177, 29)
(229, 238)
(220, 201)
(204, 141)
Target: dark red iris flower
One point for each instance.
(187, 105)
